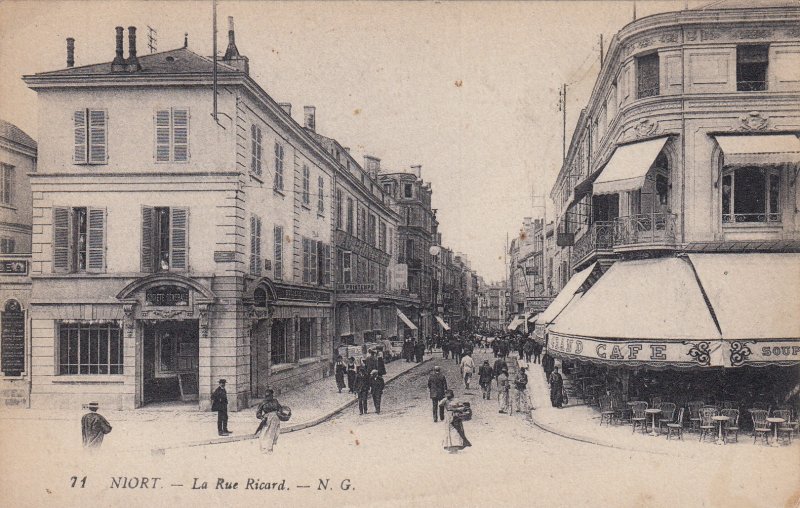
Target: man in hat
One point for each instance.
(485, 376)
(94, 427)
(219, 403)
(376, 384)
(437, 386)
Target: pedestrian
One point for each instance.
(485, 376)
(381, 364)
(456, 348)
(520, 347)
(556, 388)
(499, 365)
(445, 348)
(449, 405)
(362, 388)
(537, 352)
(372, 361)
(527, 348)
(547, 365)
(419, 351)
(521, 385)
(351, 374)
(219, 403)
(376, 384)
(341, 370)
(503, 390)
(270, 427)
(437, 386)
(467, 369)
(94, 427)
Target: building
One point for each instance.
(680, 184)
(17, 161)
(493, 306)
(529, 295)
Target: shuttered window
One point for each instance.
(172, 135)
(179, 246)
(96, 244)
(6, 184)
(90, 136)
(320, 195)
(255, 246)
(278, 243)
(278, 184)
(306, 185)
(165, 242)
(256, 149)
(79, 239)
(347, 267)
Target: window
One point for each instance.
(255, 245)
(338, 209)
(279, 352)
(172, 135)
(79, 239)
(7, 245)
(305, 348)
(751, 194)
(382, 277)
(91, 136)
(382, 236)
(347, 267)
(278, 243)
(324, 260)
(320, 195)
(85, 348)
(164, 238)
(371, 227)
(647, 83)
(387, 188)
(350, 215)
(408, 190)
(306, 185)
(278, 184)
(362, 223)
(751, 68)
(256, 149)
(391, 242)
(662, 189)
(409, 249)
(6, 184)
(310, 261)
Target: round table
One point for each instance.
(721, 419)
(775, 422)
(654, 412)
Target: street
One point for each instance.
(396, 459)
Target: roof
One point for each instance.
(13, 133)
(175, 61)
(746, 4)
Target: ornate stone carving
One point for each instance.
(165, 314)
(645, 42)
(202, 310)
(645, 127)
(709, 35)
(670, 37)
(753, 121)
(128, 322)
(753, 34)
(257, 314)
(691, 35)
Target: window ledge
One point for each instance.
(306, 361)
(8, 207)
(320, 215)
(281, 367)
(256, 177)
(753, 225)
(89, 379)
(278, 192)
(304, 205)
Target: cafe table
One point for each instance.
(653, 412)
(721, 420)
(775, 422)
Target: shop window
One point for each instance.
(164, 238)
(279, 351)
(647, 79)
(7, 245)
(79, 239)
(305, 344)
(751, 68)
(90, 348)
(751, 194)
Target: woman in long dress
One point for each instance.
(341, 371)
(454, 438)
(556, 387)
(270, 426)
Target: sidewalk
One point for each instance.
(177, 426)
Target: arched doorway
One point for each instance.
(259, 301)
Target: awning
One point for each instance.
(760, 150)
(533, 318)
(442, 323)
(516, 322)
(560, 302)
(405, 319)
(628, 167)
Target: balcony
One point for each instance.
(645, 231)
(598, 241)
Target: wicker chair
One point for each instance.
(785, 429)
(606, 409)
(729, 404)
(655, 402)
(638, 415)
(707, 426)
(760, 424)
(667, 414)
(676, 426)
(732, 425)
(694, 412)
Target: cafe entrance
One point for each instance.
(171, 360)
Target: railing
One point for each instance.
(731, 218)
(645, 229)
(751, 86)
(599, 237)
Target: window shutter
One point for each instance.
(97, 137)
(162, 135)
(255, 246)
(178, 238)
(258, 246)
(278, 243)
(326, 263)
(253, 150)
(96, 245)
(79, 154)
(180, 135)
(61, 239)
(148, 230)
(306, 260)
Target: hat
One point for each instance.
(374, 371)
(268, 393)
(93, 405)
(222, 381)
(437, 368)
(486, 362)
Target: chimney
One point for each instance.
(133, 62)
(286, 107)
(70, 52)
(310, 118)
(417, 170)
(232, 56)
(346, 149)
(372, 165)
(118, 64)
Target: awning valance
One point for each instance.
(560, 302)
(772, 149)
(516, 322)
(628, 167)
(532, 319)
(405, 319)
(442, 323)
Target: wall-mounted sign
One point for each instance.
(531, 270)
(302, 294)
(167, 296)
(12, 339)
(14, 266)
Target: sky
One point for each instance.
(468, 90)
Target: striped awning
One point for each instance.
(405, 319)
(442, 323)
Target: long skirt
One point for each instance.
(268, 435)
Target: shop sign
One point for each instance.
(302, 294)
(14, 266)
(167, 296)
(763, 352)
(12, 339)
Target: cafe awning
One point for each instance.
(772, 149)
(444, 325)
(405, 319)
(628, 167)
(574, 285)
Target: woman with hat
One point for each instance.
(270, 426)
(459, 441)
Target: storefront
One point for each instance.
(15, 290)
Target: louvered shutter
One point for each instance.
(148, 232)
(180, 135)
(254, 261)
(253, 150)
(162, 135)
(97, 137)
(61, 239)
(313, 264)
(96, 245)
(178, 238)
(320, 264)
(327, 280)
(278, 243)
(306, 259)
(258, 247)
(79, 153)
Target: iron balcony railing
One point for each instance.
(656, 229)
(599, 237)
(731, 218)
(751, 86)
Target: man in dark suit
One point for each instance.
(371, 363)
(437, 386)
(219, 403)
(376, 384)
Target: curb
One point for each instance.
(287, 429)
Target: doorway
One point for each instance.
(170, 361)
(259, 358)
